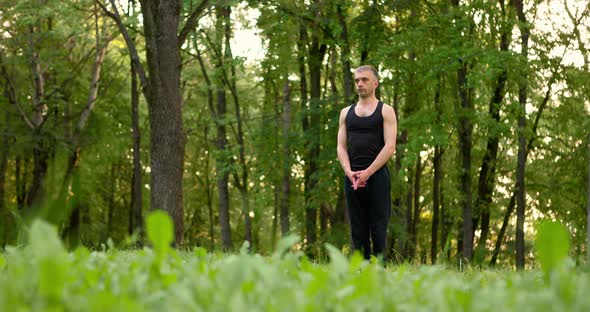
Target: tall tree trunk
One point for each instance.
(409, 246)
(167, 137)
(588, 205)
(20, 176)
(437, 168)
(487, 173)
(502, 232)
(111, 201)
(136, 219)
(286, 183)
(221, 162)
(520, 172)
(4, 149)
(345, 54)
(242, 180)
(465, 129)
(416, 200)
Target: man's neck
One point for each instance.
(368, 101)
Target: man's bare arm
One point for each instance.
(342, 145)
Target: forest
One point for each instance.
(111, 109)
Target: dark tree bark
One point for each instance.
(20, 174)
(465, 129)
(162, 92)
(487, 173)
(588, 204)
(345, 54)
(4, 149)
(520, 172)
(316, 55)
(221, 142)
(416, 217)
(242, 179)
(286, 183)
(136, 219)
(437, 168)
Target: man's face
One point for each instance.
(366, 82)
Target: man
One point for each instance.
(366, 141)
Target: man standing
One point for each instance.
(366, 141)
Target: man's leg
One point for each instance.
(359, 222)
(379, 193)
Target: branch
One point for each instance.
(130, 44)
(192, 22)
(10, 93)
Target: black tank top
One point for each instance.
(364, 136)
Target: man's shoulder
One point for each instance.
(388, 111)
(345, 110)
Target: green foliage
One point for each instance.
(160, 231)
(46, 278)
(552, 245)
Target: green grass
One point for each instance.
(43, 276)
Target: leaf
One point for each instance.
(338, 261)
(552, 244)
(285, 245)
(160, 230)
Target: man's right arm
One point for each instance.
(342, 145)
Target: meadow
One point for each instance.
(42, 275)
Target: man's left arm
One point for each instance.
(389, 136)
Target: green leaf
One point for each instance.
(338, 261)
(285, 245)
(160, 230)
(552, 244)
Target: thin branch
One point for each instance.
(130, 44)
(192, 21)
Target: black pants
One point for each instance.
(369, 210)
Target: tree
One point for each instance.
(163, 40)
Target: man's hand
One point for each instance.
(361, 178)
(355, 179)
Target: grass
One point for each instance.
(43, 276)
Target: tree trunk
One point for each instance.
(588, 205)
(315, 59)
(136, 219)
(409, 246)
(111, 202)
(221, 162)
(345, 54)
(286, 184)
(242, 180)
(417, 207)
(20, 176)
(437, 168)
(167, 137)
(465, 129)
(487, 173)
(520, 172)
(502, 232)
(4, 149)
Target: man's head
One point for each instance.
(366, 80)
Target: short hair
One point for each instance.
(369, 68)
